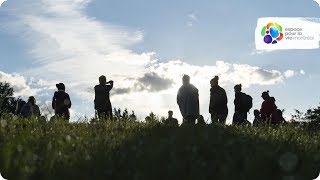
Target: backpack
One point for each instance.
(246, 102)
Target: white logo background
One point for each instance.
(2, 1)
(310, 27)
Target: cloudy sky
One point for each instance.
(146, 46)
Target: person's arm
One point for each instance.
(210, 102)
(95, 97)
(263, 109)
(54, 101)
(111, 85)
(198, 105)
(225, 96)
(237, 102)
(179, 98)
(38, 111)
(68, 97)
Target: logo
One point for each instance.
(1, 178)
(317, 1)
(317, 178)
(2, 1)
(272, 33)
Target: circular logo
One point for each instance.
(272, 33)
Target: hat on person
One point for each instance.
(60, 86)
(265, 93)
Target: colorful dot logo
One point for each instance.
(272, 33)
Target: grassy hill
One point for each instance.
(132, 150)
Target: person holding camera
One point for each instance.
(102, 102)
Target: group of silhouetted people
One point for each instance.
(61, 102)
(188, 102)
(187, 99)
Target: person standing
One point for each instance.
(61, 102)
(171, 120)
(242, 105)
(188, 101)
(268, 109)
(102, 102)
(218, 102)
(30, 109)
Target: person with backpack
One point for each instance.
(269, 111)
(188, 101)
(242, 105)
(102, 102)
(30, 109)
(61, 102)
(218, 102)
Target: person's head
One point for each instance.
(237, 88)
(185, 79)
(265, 95)
(61, 86)
(102, 79)
(170, 113)
(147, 119)
(32, 100)
(214, 81)
(256, 113)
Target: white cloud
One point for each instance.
(76, 49)
(19, 84)
(289, 73)
(256, 51)
(192, 19)
(302, 72)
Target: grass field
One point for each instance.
(131, 150)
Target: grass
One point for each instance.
(32, 149)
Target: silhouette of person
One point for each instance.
(61, 102)
(218, 102)
(30, 108)
(257, 118)
(240, 113)
(171, 120)
(148, 119)
(102, 102)
(19, 105)
(188, 101)
(133, 116)
(268, 109)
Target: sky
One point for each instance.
(146, 46)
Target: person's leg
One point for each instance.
(193, 120)
(222, 117)
(188, 120)
(109, 115)
(101, 115)
(245, 116)
(214, 117)
(65, 116)
(235, 119)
